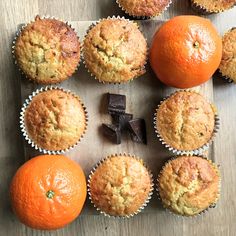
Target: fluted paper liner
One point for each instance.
(197, 151)
(141, 207)
(24, 130)
(143, 17)
(82, 50)
(18, 34)
(213, 205)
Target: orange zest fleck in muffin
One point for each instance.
(47, 51)
(120, 186)
(188, 185)
(115, 50)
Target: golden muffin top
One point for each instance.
(55, 120)
(47, 51)
(216, 5)
(115, 51)
(185, 120)
(189, 184)
(228, 62)
(120, 185)
(146, 8)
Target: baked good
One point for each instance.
(185, 121)
(189, 185)
(55, 120)
(227, 66)
(209, 6)
(144, 8)
(120, 186)
(115, 50)
(47, 51)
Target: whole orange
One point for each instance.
(186, 51)
(48, 192)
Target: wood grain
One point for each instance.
(142, 95)
(218, 222)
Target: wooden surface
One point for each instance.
(142, 95)
(220, 221)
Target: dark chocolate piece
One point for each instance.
(116, 103)
(121, 120)
(112, 132)
(137, 128)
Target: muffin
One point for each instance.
(227, 66)
(185, 122)
(209, 6)
(120, 185)
(53, 120)
(115, 51)
(188, 185)
(47, 51)
(144, 8)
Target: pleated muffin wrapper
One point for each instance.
(141, 207)
(19, 31)
(213, 205)
(24, 129)
(82, 50)
(201, 10)
(198, 151)
(144, 17)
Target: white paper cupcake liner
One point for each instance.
(175, 151)
(213, 205)
(82, 50)
(143, 17)
(141, 207)
(24, 130)
(14, 46)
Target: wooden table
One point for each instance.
(220, 221)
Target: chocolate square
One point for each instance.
(137, 128)
(116, 103)
(112, 132)
(121, 120)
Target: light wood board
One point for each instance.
(219, 221)
(142, 97)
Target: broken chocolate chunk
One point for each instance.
(116, 103)
(137, 128)
(112, 132)
(121, 120)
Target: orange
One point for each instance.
(186, 51)
(48, 192)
